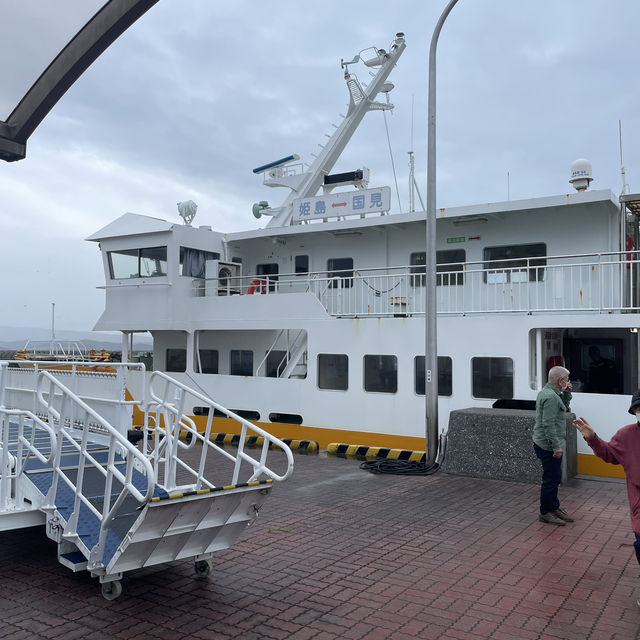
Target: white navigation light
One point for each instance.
(580, 174)
(187, 211)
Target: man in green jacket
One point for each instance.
(549, 441)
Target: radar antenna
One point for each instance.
(187, 211)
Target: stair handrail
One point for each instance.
(12, 464)
(180, 419)
(134, 459)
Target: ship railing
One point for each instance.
(101, 386)
(593, 282)
(23, 436)
(181, 450)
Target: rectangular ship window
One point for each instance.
(492, 377)
(444, 375)
(340, 272)
(381, 374)
(176, 360)
(517, 263)
(447, 261)
(208, 360)
(333, 371)
(147, 262)
(241, 362)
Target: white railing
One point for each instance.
(167, 419)
(569, 283)
(102, 387)
(64, 409)
(18, 442)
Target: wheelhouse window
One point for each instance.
(444, 375)
(147, 262)
(340, 272)
(270, 272)
(208, 360)
(519, 263)
(176, 360)
(193, 261)
(381, 374)
(333, 371)
(449, 267)
(492, 377)
(241, 362)
(301, 265)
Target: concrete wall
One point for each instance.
(496, 443)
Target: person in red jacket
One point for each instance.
(623, 449)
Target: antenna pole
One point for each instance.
(622, 171)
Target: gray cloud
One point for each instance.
(197, 93)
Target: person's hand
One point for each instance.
(584, 428)
(569, 386)
(557, 453)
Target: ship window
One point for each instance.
(247, 414)
(520, 263)
(208, 360)
(270, 270)
(340, 272)
(176, 360)
(288, 418)
(444, 375)
(236, 260)
(192, 261)
(301, 265)
(492, 377)
(138, 263)
(241, 362)
(381, 374)
(448, 264)
(333, 371)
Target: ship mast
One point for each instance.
(361, 101)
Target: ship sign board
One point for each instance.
(349, 203)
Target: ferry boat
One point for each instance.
(312, 327)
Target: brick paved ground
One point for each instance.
(339, 553)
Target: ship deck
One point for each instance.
(338, 553)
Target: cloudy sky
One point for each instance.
(199, 92)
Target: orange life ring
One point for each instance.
(259, 286)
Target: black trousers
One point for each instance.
(551, 479)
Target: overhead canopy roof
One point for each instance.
(50, 45)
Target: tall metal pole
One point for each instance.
(431, 312)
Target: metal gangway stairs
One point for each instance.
(115, 497)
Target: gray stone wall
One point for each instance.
(496, 443)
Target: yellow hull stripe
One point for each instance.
(591, 465)
(360, 450)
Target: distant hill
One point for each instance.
(13, 338)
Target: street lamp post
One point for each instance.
(431, 312)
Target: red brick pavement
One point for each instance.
(340, 553)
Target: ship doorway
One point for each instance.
(601, 360)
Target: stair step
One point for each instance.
(73, 560)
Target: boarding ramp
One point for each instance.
(113, 506)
